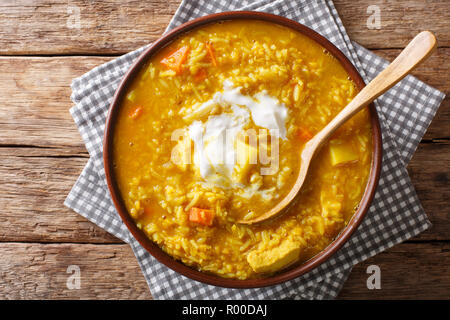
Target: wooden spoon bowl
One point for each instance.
(415, 53)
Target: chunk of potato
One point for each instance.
(274, 259)
(247, 157)
(181, 154)
(342, 153)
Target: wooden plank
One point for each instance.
(35, 181)
(408, 271)
(35, 113)
(35, 110)
(40, 271)
(117, 26)
(31, 27)
(400, 20)
(41, 152)
(430, 173)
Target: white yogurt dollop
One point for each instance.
(267, 111)
(214, 140)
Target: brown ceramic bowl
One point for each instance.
(286, 274)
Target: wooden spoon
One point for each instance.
(415, 52)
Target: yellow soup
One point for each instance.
(211, 131)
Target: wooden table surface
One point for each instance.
(42, 153)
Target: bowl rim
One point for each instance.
(176, 265)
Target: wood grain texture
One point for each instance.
(42, 154)
(39, 271)
(401, 20)
(35, 181)
(408, 271)
(35, 110)
(105, 27)
(118, 26)
(430, 173)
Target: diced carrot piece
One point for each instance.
(304, 134)
(147, 210)
(211, 54)
(200, 75)
(175, 60)
(136, 112)
(201, 216)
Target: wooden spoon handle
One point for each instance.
(415, 52)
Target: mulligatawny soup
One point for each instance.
(211, 131)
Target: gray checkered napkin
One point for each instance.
(394, 216)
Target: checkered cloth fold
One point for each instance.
(394, 216)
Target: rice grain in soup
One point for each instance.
(211, 131)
